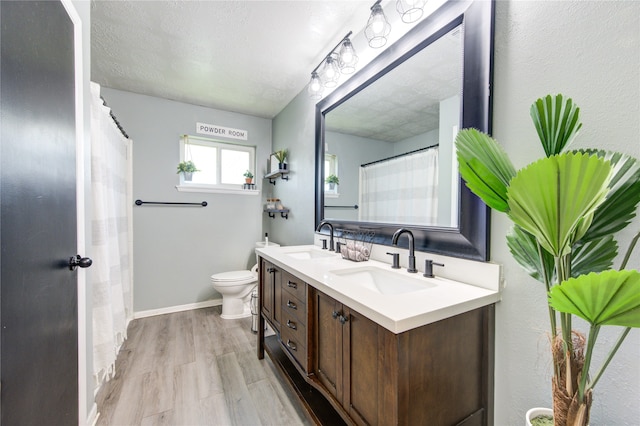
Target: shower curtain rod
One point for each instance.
(115, 120)
(140, 202)
(399, 155)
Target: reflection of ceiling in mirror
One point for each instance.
(404, 102)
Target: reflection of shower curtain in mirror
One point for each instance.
(401, 190)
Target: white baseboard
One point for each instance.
(179, 308)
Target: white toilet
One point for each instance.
(235, 288)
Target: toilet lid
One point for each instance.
(233, 276)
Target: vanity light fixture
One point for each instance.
(378, 28)
(336, 62)
(410, 10)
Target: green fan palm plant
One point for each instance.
(566, 208)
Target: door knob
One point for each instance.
(77, 260)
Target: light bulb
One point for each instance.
(315, 86)
(377, 25)
(330, 72)
(347, 58)
(377, 28)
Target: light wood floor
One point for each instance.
(194, 368)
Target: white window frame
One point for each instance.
(185, 186)
(333, 169)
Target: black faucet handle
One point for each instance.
(428, 267)
(324, 243)
(396, 260)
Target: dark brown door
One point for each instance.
(39, 352)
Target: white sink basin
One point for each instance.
(310, 254)
(383, 281)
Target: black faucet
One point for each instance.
(323, 223)
(412, 256)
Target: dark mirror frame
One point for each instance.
(470, 240)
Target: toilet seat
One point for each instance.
(234, 278)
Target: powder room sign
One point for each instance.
(227, 132)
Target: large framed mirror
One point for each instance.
(389, 131)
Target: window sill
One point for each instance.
(331, 195)
(213, 190)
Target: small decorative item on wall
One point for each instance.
(187, 168)
(332, 180)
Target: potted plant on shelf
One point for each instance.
(332, 180)
(565, 208)
(187, 168)
(248, 176)
(281, 156)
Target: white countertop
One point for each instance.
(441, 298)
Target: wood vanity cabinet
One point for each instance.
(436, 374)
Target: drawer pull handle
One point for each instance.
(335, 314)
(291, 345)
(271, 270)
(292, 285)
(292, 325)
(343, 319)
(291, 305)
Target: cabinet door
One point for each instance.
(328, 344)
(266, 289)
(362, 360)
(270, 292)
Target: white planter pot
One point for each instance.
(537, 411)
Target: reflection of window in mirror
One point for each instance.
(330, 168)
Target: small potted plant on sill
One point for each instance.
(248, 176)
(566, 208)
(281, 156)
(187, 168)
(332, 180)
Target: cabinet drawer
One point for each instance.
(294, 286)
(295, 346)
(293, 307)
(295, 328)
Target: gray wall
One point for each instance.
(176, 249)
(294, 129)
(591, 52)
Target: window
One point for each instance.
(330, 168)
(220, 165)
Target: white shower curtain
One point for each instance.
(401, 190)
(111, 272)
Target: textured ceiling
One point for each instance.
(251, 57)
